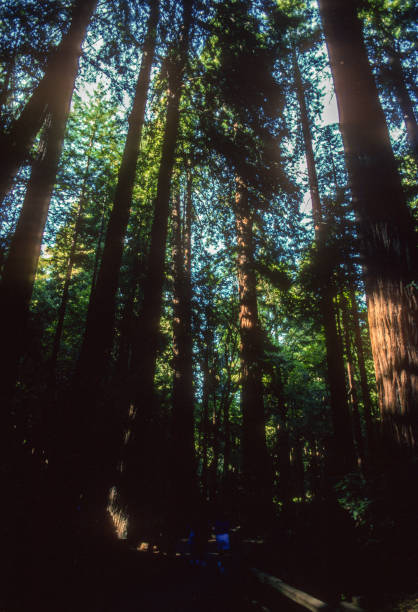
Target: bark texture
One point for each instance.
(256, 464)
(385, 224)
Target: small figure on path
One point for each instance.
(198, 538)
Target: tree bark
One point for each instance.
(97, 342)
(53, 89)
(385, 225)
(256, 463)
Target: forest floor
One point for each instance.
(129, 580)
(125, 579)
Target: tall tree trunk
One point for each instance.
(5, 87)
(358, 436)
(404, 100)
(147, 336)
(344, 449)
(365, 391)
(22, 261)
(98, 251)
(309, 154)
(97, 342)
(53, 90)
(207, 387)
(182, 441)
(385, 225)
(215, 439)
(256, 466)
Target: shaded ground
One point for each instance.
(127, 580)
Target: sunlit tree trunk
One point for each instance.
(53, 90)
(256, 463)
(344, 449)
(385, 225)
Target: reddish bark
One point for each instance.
(256, 467)
(385, 225)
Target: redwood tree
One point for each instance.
(385, 224)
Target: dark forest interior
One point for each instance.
(208, 303)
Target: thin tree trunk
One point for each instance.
(70, 264)
(365, 392)
(385, 225)
(182, 451)
(405, 102)
(98, 252)
(257, 472)
(97, 342)
(344, 449)
(309, 154)
(53, 89)
(207, 387)
(4, 93)
(358, 436)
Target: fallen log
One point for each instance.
(300, 597)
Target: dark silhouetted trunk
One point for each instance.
(256, 465)
(5, 87)
(215, 439)
(385, 225)
(22, 261)
(147, 338)
(98, 251)
(97, 342)
(51, 93)
(182, 451)
(70, 264)
(298, 468)
(207, 387)
(364, 384)
(358, 436)
(309, 154)
(405, 102)
(344, 450)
